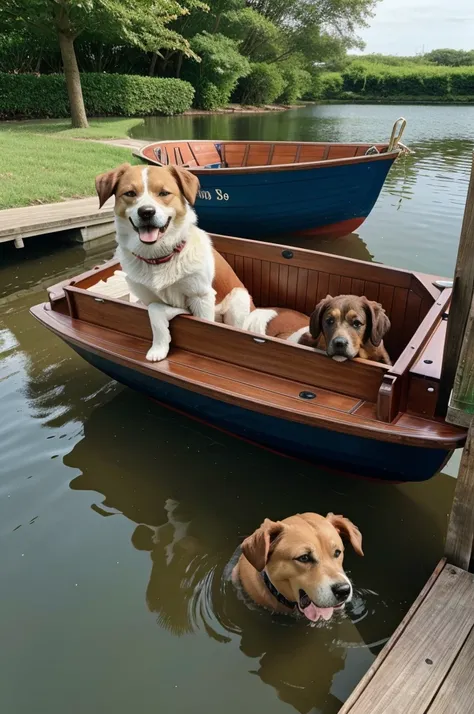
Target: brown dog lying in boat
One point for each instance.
(296, 564)
(346, 326)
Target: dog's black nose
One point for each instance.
(340, 343)
(146, 212)
(341, 591)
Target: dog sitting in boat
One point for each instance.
(346, 327)
(169, 262)
(296, 564)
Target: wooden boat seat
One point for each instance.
(175, 154)
(188, 155)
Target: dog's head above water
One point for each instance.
(349, 322)
(303, 558)
(151, 202)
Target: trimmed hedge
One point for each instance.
(462, 81)
(384, 80)
(371, 81)
(42, 96)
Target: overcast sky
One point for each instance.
(406, 27)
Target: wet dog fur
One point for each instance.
(303, 558)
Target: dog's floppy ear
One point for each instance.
(315, 319)
(106, 184)
(256, 547)
(308, 340)
(188, 183)
(379, 324)
(345, 527)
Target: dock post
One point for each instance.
(463, 290)
(460, 536)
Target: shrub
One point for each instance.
(298, 82)
(462, 82)
(39, 96)
(216, 76)
(373, 80)
(262, 86)
(331, 85)
(326, 85)
(209, 96)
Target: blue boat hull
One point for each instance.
(328, 200)
(351, 454)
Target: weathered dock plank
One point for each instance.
(426, 656)
(84, 214)
(456, 695)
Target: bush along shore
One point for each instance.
(33, 96)
(41, 96)
(386, 83)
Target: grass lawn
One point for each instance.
(41, 162)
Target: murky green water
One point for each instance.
(118, 518)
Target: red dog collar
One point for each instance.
(165, 259)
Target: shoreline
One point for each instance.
(243, 109)
(398, 100)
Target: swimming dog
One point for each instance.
(296, 564)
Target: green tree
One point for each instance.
(450, 58)
(143, 23)
(314, 29)
(220, 68)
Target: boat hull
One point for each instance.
(330, 200)
(370, 458)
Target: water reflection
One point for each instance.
(192, 506)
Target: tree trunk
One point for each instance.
(73, 81)
(151, 71)
(179, 65)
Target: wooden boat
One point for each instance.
(256, 189)
(358, 416)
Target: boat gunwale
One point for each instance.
(346, 423)
(56, 291)
(264, 168)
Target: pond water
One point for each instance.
(119, 518)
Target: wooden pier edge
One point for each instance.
(463, 290)
(381, 657)
(460, 536)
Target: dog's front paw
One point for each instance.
(157, 352)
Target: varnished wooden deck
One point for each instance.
(427, 666)
(84, 213)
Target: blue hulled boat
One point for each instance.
(358, 416)
(260, 188)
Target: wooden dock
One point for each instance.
(427, 666)
(82, 214)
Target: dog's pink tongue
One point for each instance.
(149, 235)
(313, 613)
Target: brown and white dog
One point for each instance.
(296, 564)
(346, 326)
(169, 262)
